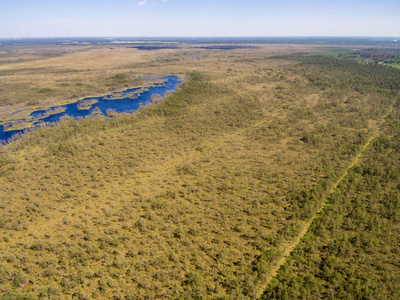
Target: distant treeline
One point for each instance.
(386, 56)
(209, 40)
(328, 72)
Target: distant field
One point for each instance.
(201, 195)
(32, 76)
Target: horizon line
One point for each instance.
(195, 37)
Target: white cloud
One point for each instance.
(143, 2)
(165, 0)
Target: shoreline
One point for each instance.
(12, 127)
(28, 111)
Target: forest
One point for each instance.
(351, 249)
(387, 56)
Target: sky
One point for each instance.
(199, 18)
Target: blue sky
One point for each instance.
(140, 18)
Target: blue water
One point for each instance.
(126, 101)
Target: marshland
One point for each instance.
(271, 173)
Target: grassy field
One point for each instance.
(39, 76)
(198, 196)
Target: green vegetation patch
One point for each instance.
(352, 248)
(383, 56)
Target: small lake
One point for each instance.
(127, 101)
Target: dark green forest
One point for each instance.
(352, 249)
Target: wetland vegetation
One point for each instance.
(203, 195)
(126, 101)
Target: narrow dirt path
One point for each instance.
(291, 245)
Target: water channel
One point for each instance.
(124, 102)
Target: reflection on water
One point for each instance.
(126, 101)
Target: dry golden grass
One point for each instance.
(57, 73)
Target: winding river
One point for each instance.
(124, 102)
